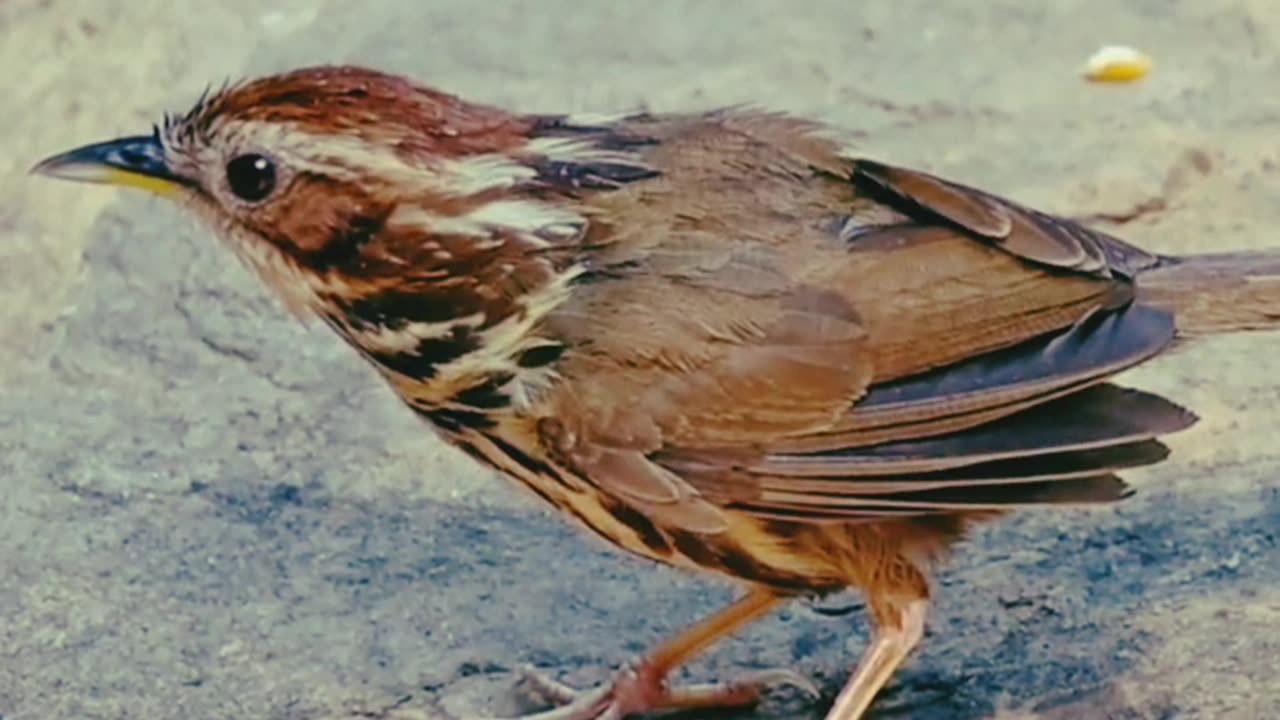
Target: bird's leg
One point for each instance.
(897, 632)
(642, 687)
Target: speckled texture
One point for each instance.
(209, 511)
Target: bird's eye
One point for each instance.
(251, 177)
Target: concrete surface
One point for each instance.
(208, 511)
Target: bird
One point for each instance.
(727, 341)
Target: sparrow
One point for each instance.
(723, 341)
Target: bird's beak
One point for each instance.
(136, 162)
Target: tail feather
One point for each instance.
(1217, 293)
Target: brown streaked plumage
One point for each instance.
(718, 341)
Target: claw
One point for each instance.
(631, 693)
(545, 687)
(593, 704)
(740, 692)
(777, 677)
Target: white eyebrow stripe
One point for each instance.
(524, 216)
(350, 157)
(478, 173)
(536, 222)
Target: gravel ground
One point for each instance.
(209, 511)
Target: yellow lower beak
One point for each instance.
(136, 162)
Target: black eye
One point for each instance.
(251, 177)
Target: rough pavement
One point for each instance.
(209, 511)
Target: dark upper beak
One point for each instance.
(133, 162)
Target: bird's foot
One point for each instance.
(638, 690)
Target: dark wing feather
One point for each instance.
(1099, 489)
(1063, 451)
(1028, 233)
(1098, 416)
(988, 386)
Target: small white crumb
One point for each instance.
(1117, 64)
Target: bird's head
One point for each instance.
(423, 227)
(307, 169)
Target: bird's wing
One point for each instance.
(782, 332)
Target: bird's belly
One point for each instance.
(599, 513)
(747, 551)
(750, 549)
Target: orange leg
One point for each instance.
(642, 687)
(890, 645)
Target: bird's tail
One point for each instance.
(1216, 293)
